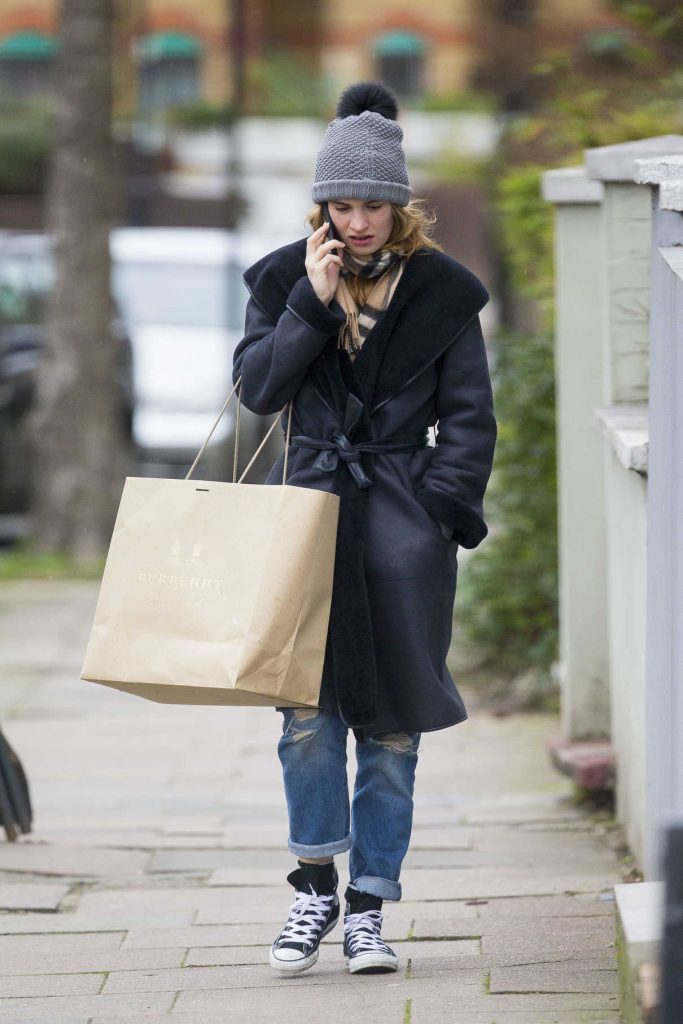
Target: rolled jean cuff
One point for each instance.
(384, 888)
(323, 850)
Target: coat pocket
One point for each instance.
(418, 465)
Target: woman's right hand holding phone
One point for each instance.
(322, 264)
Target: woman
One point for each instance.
(373, 334)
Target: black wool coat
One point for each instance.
(404, 510)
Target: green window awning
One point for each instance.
(399, 43)
(160, 45)
(28, 46)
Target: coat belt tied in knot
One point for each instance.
(339, 446)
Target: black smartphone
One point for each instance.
(331, 233)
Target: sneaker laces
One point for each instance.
(306, 916)
(362, 932)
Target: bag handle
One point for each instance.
(236, 389)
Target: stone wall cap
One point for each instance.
(570, 185)
(618, 163)
(655, 170)
(625, 427)
(667, 172)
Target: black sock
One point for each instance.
(322, 879)
(358, 902)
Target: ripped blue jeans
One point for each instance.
(376, 827)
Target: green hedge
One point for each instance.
(508, 592)
(525, 236)
(507, 602)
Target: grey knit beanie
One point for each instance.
(361, 155)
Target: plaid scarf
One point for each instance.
(386, 265)
(374, 266)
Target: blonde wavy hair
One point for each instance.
(412, 230)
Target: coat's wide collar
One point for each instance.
(435, 298)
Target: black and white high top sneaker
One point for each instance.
(313, 914)
(364, 949)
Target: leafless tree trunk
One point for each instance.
(77, 425)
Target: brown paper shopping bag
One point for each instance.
(216, 593)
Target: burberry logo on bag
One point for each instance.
(192, 555)
(167, 579)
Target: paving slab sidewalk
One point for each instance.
(154, 879)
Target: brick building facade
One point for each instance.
(170, 53)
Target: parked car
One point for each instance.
(181, 300)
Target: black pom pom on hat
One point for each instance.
(372, 96)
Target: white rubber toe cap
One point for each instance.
(372, 962)
(291, 960)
